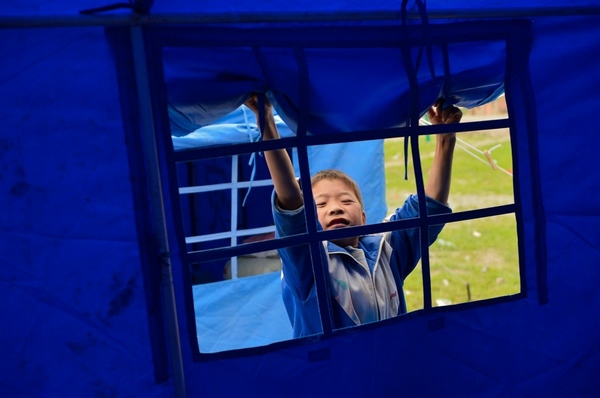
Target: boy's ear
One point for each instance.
(364, 217)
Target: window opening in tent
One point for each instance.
(471, 260)
(463, 267)
(225, 240)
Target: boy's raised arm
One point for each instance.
(287, 189)
(438, 183)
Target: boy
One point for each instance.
(366, 272)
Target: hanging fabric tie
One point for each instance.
(253, 138)
(421, 5)
(260, 122)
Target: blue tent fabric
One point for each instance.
(58, 161)
(200, 90)
(226, 313)
(363, 161)
(79, 318)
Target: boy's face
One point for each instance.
(338, 207)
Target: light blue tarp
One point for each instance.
(363, 161)
(227, 313)
(81, 317)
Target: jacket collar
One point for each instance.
(371, 243)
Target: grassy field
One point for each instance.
(471, 260)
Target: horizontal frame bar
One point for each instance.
(133, 19)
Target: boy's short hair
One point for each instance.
(334, 174)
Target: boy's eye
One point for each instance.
(320, 204)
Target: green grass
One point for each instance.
(471, 260)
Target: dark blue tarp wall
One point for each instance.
(75, 319)
(75, 315)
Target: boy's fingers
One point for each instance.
(456, 114)
(436, 110)
(431, 113)
(250, 100)
(451, 114)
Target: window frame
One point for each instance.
(517, 88)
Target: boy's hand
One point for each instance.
(252, 103)
(270, 130)
(438, 115)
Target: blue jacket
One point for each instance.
(366, 284)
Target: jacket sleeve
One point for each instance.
(406, 243)
(296, 260)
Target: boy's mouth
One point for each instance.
(338, 222)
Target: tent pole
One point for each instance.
(157, 209)
(234, 212)
(17, 21)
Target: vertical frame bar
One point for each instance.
(157, 206)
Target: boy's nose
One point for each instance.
(335, 209)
